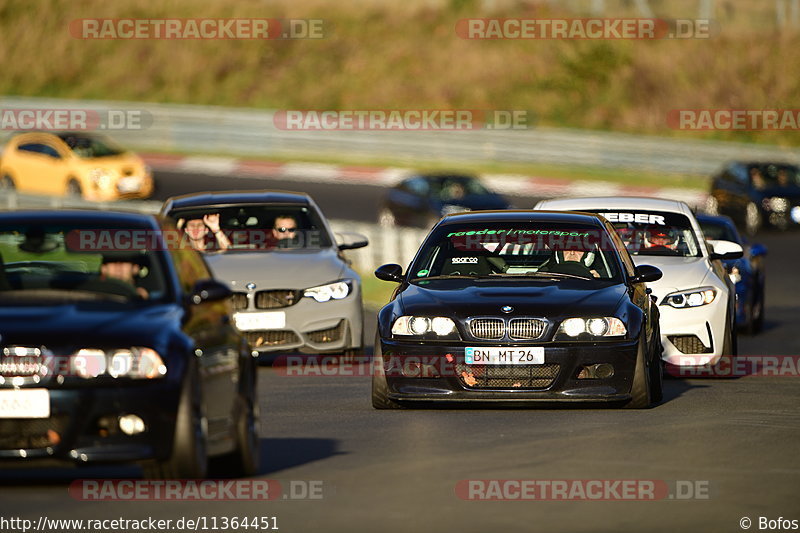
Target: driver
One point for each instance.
(660, 238)
(571, 259)
(123, 270)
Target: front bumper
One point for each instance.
(447, 380)
(81, 429)
(312, 327)
(115, 192)
(694, 336)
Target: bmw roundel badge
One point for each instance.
(506, 309)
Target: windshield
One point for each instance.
(770, 176)
(46, 262)
(451, 188)
(518, 249)
(650, 233)
(90, 147)
(252, 228)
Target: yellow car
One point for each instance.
(74, 164)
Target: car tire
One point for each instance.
(386, 218)
(641, 391)
(7, 184)
(725, 364)
(245, 460)
(189, 456)
(752, 219)
(74, 189)
(712, 205)
(380, 389)
(657, 371)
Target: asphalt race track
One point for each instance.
(732, 440)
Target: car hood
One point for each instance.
(89, 325)
(679, 273)
(294, 269)
(462, 298)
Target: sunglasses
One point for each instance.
(284, 230)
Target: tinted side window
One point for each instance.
(39, 148)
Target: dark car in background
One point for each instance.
(519, 306)
(756, 195)
(748, 273)
(422, 199)
(116, 347)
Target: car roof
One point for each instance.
(520, 215)
(615, 202)
(220, 198)
(77, 216)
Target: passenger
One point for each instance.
(783, 178)
(285, 231)
(197, 230)
(757, 179)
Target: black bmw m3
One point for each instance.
(519, 306)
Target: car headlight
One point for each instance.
(136, 363)
(735, 275)
(690, 298)
(441, 326)
(607, 326)
(449, 209)
(101, 177)
(776, 204)
(330, 291)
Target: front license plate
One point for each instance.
(504, 356)
(256, 321)
(25, 403)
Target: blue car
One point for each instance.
(118, 347)
(757, 195)
(421, 200)
(748, 273)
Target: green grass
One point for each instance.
(406, 55)
(376, 293)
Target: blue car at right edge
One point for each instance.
(747, 273)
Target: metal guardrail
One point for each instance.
(386, 245)
(252, 132)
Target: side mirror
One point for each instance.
(725, 250)
(758, 250)
(390, 272)
(209, 290)
(350, 241)
(646, 274)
